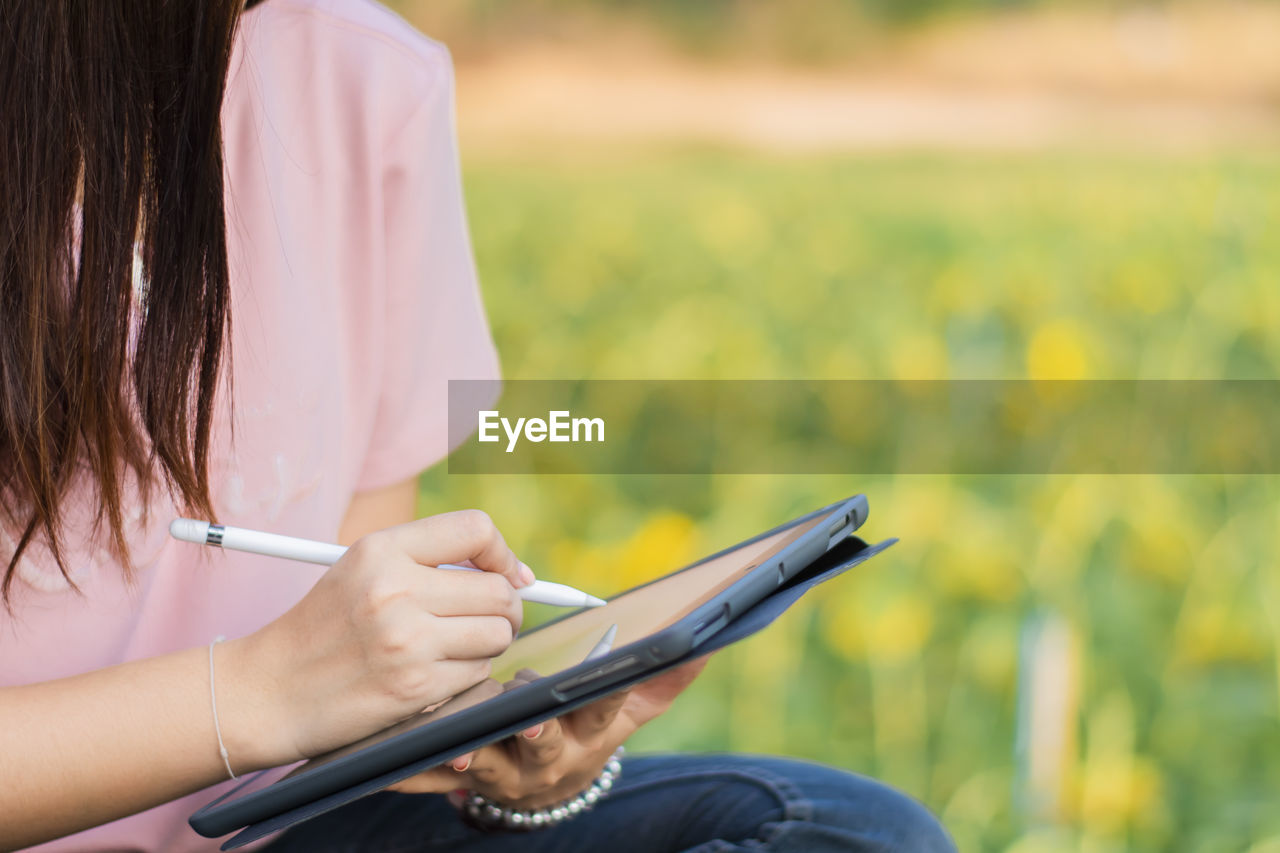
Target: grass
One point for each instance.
(710, 264)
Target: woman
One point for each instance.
(335, 267)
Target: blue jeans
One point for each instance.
(705, 803)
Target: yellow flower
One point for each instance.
(1119, 788)
(1119, 791)
(899, 629)
(1160, 543)
(842, 626)
(1059, 349)
(1213, 632)
(665, 542)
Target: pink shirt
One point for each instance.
(354, 301)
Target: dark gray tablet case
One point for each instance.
(239, 808)
(837, 560)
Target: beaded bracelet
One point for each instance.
(484, 813)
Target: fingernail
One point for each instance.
(533, 732)
(526, 574)
(461, 764)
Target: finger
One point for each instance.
(474, 637)
(672, 682)
(445, 592)
(653, 697)
(493, 767)
(447, 778)
(455, 537)
(521, 678)
(591, 720)
(473, 695)
(438, 780)
(541, 745)
(454, 678)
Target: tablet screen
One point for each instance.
(626, 618)
(637, 613)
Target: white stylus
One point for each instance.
(605, 645)
(326, 554)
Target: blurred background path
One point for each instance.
(1150, 76)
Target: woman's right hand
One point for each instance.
(382, 635)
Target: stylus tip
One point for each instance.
(592, 601)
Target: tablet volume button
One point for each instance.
(711, 624)
(585, 680)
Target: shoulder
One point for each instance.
(354, 47)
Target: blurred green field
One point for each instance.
(709, 264)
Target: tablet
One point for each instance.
(582, 653)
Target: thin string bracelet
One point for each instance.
(213, 699)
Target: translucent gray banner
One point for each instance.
(865, 427)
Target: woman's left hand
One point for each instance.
(557, 759)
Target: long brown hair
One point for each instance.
(110, 143)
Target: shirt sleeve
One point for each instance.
(435, 325)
